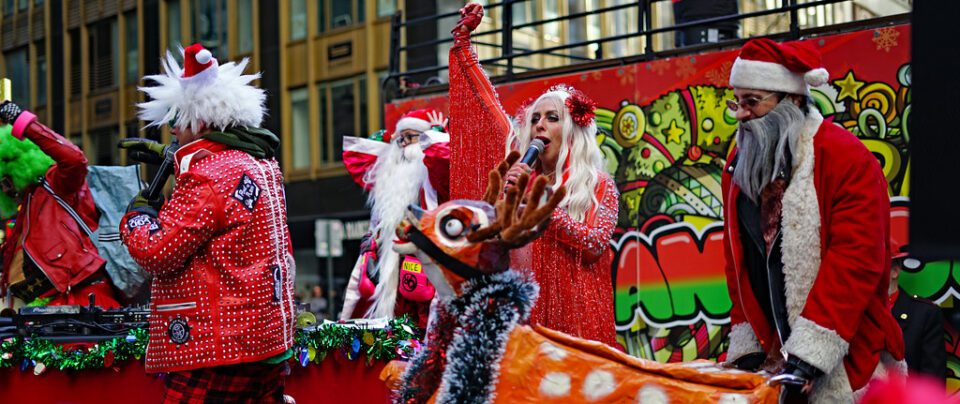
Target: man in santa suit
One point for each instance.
(807, 219)
(409, 166)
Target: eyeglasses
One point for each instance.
(409, 137)
(749, 102)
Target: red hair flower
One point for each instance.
(581, 108)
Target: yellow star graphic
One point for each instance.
(849, 86)
(673, 133)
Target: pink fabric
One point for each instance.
(413, 282)
(25, 118)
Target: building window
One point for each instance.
(41, 73)
(104, 54)
(341, 13)
(173, 26)
(321, 16)
(210, 26)
(105, 146)
(19, 74)
(23, 5)
(76, 56)
(343, 100)
(298, 20)
(386, 7)
(7, 7)
(324, 120)
(133, 47)
(244, 26)
(300, 128)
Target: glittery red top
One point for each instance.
(572, 260)
(572, 264)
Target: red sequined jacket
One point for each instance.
(219, 251)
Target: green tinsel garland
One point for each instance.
(398, 339)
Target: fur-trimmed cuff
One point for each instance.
(816, 345)
(742, 341)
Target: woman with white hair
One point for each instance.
(571, 260)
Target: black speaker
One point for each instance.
(695, 10)
(934, 137)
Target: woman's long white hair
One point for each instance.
(580, 143)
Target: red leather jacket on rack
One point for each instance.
(221, 257)
(53, 239)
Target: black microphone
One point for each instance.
(164, 172)
(533, 152)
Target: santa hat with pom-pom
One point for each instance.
(203, 93)
(422, 120)
(792, 67)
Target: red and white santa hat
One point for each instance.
(203, 93)
(422, 120)
(790, 67)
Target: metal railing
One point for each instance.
(509, 53)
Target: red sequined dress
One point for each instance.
(572, 260)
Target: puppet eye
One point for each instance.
(452, 227)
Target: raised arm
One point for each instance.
(478, 125)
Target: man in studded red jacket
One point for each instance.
(49, 257)
(222, 313)
(806, 217)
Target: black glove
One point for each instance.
(750, 362)
(9, 112)
(143, 205)
(144, 150)
(796, 379)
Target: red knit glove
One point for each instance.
(470, 17)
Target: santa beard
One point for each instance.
(397, 179)
(762, 147)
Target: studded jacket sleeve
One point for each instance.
(591, 236)
(162, 244)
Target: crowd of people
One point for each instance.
(807, 240)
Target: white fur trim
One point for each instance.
(412, 123)
(598, 384)
(742, 341)
(219, 97)
(204, 56)
(816, 77)
(816, 345)
(758, 75)
(801, 223)
(833, 388)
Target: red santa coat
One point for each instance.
(219, 251)
(835, 224)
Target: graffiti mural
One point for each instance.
(665, 132)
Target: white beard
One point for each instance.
(397, 179)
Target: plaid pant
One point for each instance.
(242, 383)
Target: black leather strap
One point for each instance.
(424, 244)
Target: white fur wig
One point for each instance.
(218, 97)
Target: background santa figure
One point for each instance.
(411, 165)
